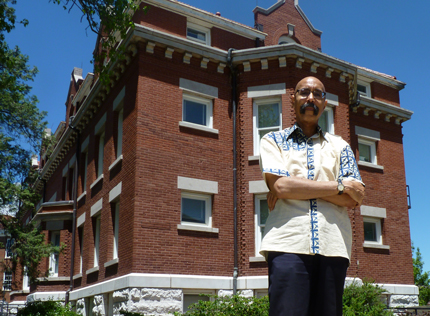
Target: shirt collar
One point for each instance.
(297, 129)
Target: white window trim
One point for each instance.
(52, 260)
(202, 29)
(209, 109)
(208, 211)
(4, 279)
(330, 118)
(372, 144)
(256, 104)
(367, 85)
(97, 241)
(258, 235)
(25, 281)
(378, 226)
(116, 231)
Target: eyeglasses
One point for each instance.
(305, 92)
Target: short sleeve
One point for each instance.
(271, 160)
(348, 165)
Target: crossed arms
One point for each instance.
(304, 189)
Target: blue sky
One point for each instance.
(388, 36)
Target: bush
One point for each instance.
(229, 306)
(364, 300)
(46, 308)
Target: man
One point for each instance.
(313, 178)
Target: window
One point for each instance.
(81, 247)
(198, 33)
(96, 240)
(372, 230)
(261, 214)
(367, 151)
(326, 120)
(25, 280)
(196, 209)
(363, 88)
(193, 298)
(115, 230)
(9, 244)
(285, 40)
(100, 155)
(197, 110)
(54, 260)
(119, 134)
(84, 170)
(267, 118)
(7, 281)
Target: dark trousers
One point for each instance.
(306, 285)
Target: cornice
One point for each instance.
(207, 17)
(388, 110)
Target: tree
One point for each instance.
(22, 126)
(421, 278)
(110, 20)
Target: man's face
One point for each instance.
(309, 101)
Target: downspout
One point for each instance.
(75, 207)
(233, 88)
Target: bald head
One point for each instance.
(310, 82)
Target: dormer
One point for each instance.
(284, 23)
(75, 81)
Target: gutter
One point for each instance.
(233, 87)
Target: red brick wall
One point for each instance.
(275, 25)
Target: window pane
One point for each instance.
(362, 89)
(370, 231)
(193, 210)
(323, 121)
(191, 299)
(195, 112)
(201, 36)
(268, 115)
(364, 152)
(264, 212)
(265, 131)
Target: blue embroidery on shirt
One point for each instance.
(313, 203)
(278, 172)
(348, 164)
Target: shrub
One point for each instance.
(364, 300)
(46, 308)
(229, 306)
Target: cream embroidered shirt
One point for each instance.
(307, 226)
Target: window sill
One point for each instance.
(254, 158)
(20, 292)
(117, 161)
(257, 259)
(54, 279)
(111, 263)
(97, 181)
(198, 228)
(77, 276)
(92, 270)
(370, 165)
(82, 196)
(199, 127)
(375, 246)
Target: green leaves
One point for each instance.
(364, 300)
(421, 278)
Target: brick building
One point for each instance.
(169, 200)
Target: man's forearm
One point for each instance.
(300, 189)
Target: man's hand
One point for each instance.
(271, 200)
(355, 190)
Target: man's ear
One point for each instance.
(293, 100)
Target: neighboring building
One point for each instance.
(152, 222)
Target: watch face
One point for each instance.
(340, 187)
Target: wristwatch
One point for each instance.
(340, 186)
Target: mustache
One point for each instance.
(309, 104)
